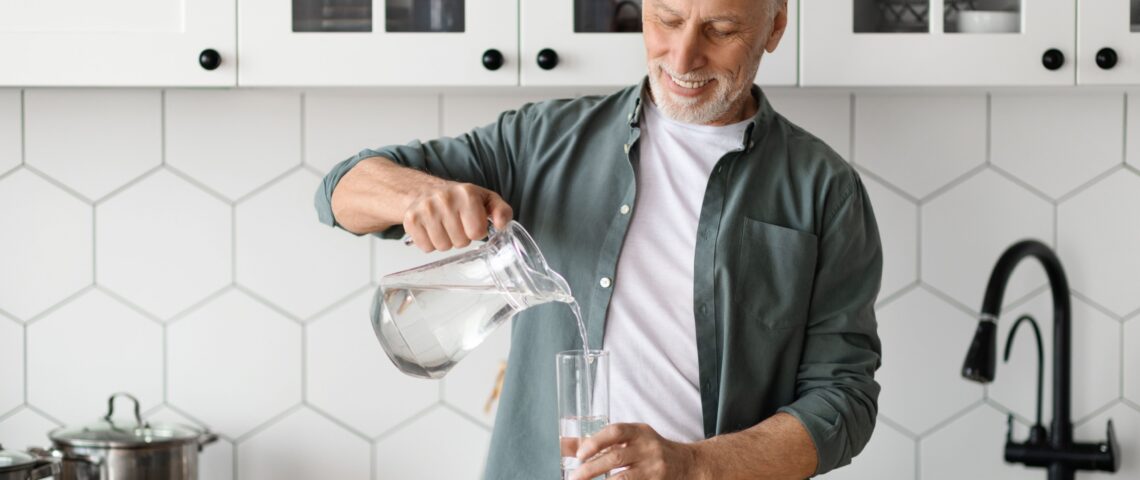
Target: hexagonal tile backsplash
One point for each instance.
(194, 273)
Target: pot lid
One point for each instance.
(11, 460)
(107, 432)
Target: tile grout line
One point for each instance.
(305, 363)
(25, 329)
(989, 128)
(302, 142)
(233, 243)
(1124, 145)
(162, 127)
(165, 363)
(23, 127)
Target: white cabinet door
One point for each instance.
(1108, 42)
(937, 42)
(599, 43)
(378, 42)
(117, 43)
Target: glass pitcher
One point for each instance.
(430, 317)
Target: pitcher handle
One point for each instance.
(490, 233)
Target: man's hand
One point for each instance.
(453, 214)
(645, 454)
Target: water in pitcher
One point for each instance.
(424, 337)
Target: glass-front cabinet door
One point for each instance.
(378, 42)
(938, 42)
(117, 43)
(1108, 42)
(599, 42)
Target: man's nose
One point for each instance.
(688, 54)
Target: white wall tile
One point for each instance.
(119, 349)
(304, 446)
(233, 140)
(10, 131)
(216, 460)
(888, 456)
(966, 229)
(897, 218)
(93, 140)
(11, 364)
(414, 450)
(234, 363)
(1095, 354)
(1132, 360)
(24, 429)
(469, 384)
(1126, 422)
(825, 115)
(45, 251)
(1098, 232)
(163, 243)
(924, 340)
(1056, 142)
(920, 143)
(350, 377)
(287, 256)
(338, 125)
(971, 447)
(461, 113)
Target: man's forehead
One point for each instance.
(738, 11)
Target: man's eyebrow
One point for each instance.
(667, 9)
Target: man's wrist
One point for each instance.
(704, 461)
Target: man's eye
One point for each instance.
(722, 33)
(671, 23)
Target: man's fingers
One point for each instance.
(611, 458)
(500, 210)
(609, 436)
(474, 219)
(438, 234)
(455, 230)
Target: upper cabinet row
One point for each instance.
(550, 42)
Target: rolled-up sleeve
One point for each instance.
(836, 391)
(487, 156)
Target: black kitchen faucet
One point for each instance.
(1054, 450)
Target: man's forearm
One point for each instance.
(777, 448)
(375, 193)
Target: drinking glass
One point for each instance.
(583, 379)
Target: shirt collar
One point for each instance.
(763, 116)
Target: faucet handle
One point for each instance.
(1110, 448)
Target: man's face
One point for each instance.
(703, 54)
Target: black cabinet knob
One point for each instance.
(547, 59)
(1106, 58)
(1053, 59)
(492, 59)
(209, 59)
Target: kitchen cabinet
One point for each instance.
(599, 42)
(378, 42)
(1108, 42)
(117, 43)
(938, 42)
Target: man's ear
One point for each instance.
(779, 24)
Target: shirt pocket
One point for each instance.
(774, 270)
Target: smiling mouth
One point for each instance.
(689, 85)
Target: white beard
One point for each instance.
(688, 109)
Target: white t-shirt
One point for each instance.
(650, 328)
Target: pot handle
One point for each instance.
(56, 455)
(111, 408)
(47, 464)
(206, 438)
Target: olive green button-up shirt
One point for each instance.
(787, 268)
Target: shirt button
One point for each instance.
(626, 148)
(605, 282)
(704, 309)
(624, 209)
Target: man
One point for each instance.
(727, 259)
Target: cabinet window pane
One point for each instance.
(424, 16)
(1134, 16)
(594, 16)
(892, 16)
(982, 16)
(332, 15)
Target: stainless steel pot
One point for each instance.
(22, 466)
(110, 450)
